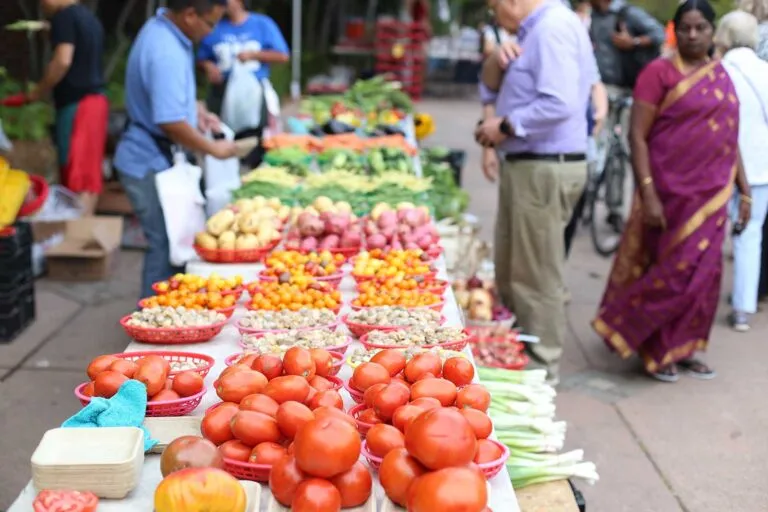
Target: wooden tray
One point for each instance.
(166, 430)
(253, 491)
(370, 506)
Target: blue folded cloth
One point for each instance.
(126, 409)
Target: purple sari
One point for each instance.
(664, 287)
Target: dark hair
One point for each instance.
(200, 6)
(703, 6)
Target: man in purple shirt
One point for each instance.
(540, 128)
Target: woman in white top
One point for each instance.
(736, 39)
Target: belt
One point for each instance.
(547, 157)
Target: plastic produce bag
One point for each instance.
(221, 178)
(5, 143)
(183, 207)
(243, 100)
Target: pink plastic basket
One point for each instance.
(373, 461)
(360, 330)
(333, 280)
(180, 407)
(338, 362)
(172, 335)
(438, 306)
(203, 362)
(247, 470)
(356, 395)
(457, 345)
(491, 469)
(340, 349)
(362, 426)
(261, 332)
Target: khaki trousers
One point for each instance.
(536, 200)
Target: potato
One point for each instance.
(323, 204)
(295, 212)
(259, 202)
(405, 206)
(220, 222)
(378, 210)
(244, 205)
(227, 241)
(247, 241)
(284, 212)
(249, 223)
(312, 210)
(343, 207)
(206, 241)
(267, 236)
(274, 203)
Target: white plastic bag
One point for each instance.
(183, 207)
(243, 98)
(221, 178)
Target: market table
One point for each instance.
(502, 497)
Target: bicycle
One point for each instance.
(605, 194)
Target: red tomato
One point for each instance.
(199, 489)
(253, 428)
(260, 403)
(291, 416)
(440, 438)
(269, 365)
(188, 383)
(382, 439)
(453, 489)
(152, 372)
(236, 386)
(330, 398)
(216, 423)
(284, 477)
(124, 366)
(368, 374)
(487, 451)
(165, 395)
(236, 450)
(441, 389)
(248, 359)
(459, 371)
(287, 388)
(397, 472)
(154, 359)
(316, 495)
(323, 361)
(480, 422)
(389, 399)
(65, 501)
(474, 396)
(88, 389)
(426, 403)
(332, 412)
(107, 383)
(371, 393)
(391, 359)
(404, 415)
(298, 361)
(320, 383)
(189, 452)
(422, 364)
(99, 364)
(326, 447)
(267, 453)
(369, 416)
(354, 485)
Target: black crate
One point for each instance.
(15, 239)
(17, 310)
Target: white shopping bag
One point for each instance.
(243, 99)
(183, 207)
(221, 177)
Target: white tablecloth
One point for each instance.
(141, 499)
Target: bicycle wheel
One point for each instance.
(608, 212)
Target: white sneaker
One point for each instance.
(739, 321)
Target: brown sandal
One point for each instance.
(697, 369)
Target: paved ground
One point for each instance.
(692, 446)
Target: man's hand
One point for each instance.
(223, 149)
(490, 164)
(214, 75)
(508, 52)
(599, 124)
(488, 133)
(207, 120)
(622, 39)
(745, 212)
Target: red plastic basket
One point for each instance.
(480, 336)
(438, 306)
(172, 335)
(333, 280)
(435, 252)
(235, 256)
(362, 426)
(373, 461)
(491, 469)
(180, 407)
(39, 191)
(227, 312)
(356, 395)
(247, 471)
(237, 292)
(204, 362)
(457, 345)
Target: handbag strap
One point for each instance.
(755, 90)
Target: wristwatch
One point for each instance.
(505, 127)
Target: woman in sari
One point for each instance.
(664, 287)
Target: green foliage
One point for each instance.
(29, 122)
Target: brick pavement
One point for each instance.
(692, 446)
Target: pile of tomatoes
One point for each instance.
(396, 263)
(108, 373)
(429, 425)
(194, 284)
(275, 296)
(295, 263)
(191, 300)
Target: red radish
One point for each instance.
(329, 242)
(377, 241)
(351, 239)
(387, 219)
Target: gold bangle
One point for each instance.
(646, 181)
(747, 199)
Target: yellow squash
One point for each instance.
(14, 186)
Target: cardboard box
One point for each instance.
(113, 200)
(87, 251)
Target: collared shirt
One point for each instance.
(749, 75)
(159, 89)
(545, 91)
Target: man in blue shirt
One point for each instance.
(253, 39)
(160, 99)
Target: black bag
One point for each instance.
(633, 61)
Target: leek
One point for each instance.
(512, 376)
(498, 406)
(522, 476)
